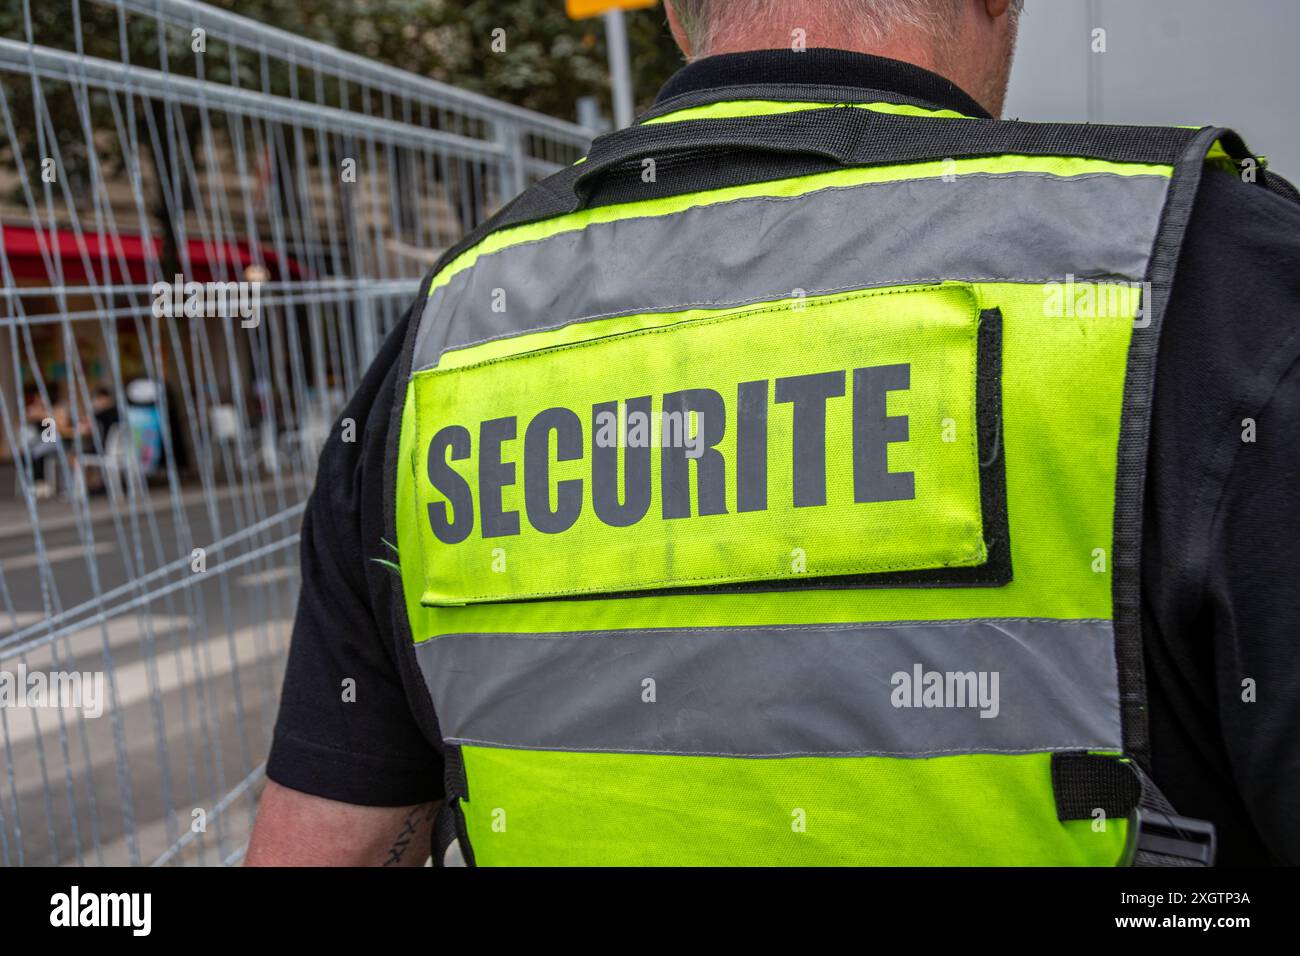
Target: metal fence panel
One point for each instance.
(208, 226)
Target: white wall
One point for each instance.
(1232, 63)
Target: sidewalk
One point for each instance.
(56, 514)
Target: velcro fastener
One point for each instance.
(1086, 782)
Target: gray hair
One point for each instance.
(875, 20)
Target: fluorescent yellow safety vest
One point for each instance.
(788, 510)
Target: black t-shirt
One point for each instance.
(1221, 556)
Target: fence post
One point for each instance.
(514, 178)
(367, 340)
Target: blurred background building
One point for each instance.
(1170, 62)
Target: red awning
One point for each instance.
(123, 260)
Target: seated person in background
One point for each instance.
(43, 422)
(105, 413)
(94, 429)
(87, 432)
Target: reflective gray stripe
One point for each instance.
(1012, 227)
(815, 690)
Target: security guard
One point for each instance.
(791, 482)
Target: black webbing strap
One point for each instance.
(1162, 837)
(449, 827)
(444, 834)
(453, 773)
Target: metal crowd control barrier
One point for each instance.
(209, 224)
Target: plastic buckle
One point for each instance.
(1168, 834)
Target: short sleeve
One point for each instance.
(352, 725)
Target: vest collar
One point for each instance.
(818, 73)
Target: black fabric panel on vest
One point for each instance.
(1135, 428)
(1085, 783)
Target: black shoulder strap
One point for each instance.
(1135, 427)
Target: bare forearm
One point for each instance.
(298, 829)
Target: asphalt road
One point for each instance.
(191, 663)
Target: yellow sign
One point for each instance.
(581, 9)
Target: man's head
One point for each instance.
(968, 41)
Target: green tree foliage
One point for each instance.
(549, 60)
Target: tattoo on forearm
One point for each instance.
(418, 817)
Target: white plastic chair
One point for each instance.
(118, 462)
(227, 436)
